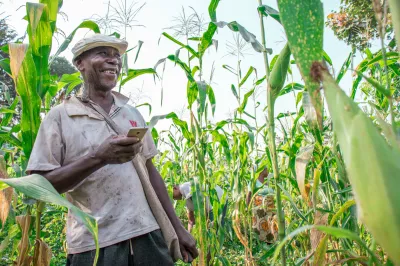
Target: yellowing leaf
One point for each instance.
(17, 55)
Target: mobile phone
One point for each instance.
(137, 132)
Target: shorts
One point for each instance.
(146, 250)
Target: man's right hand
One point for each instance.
(117, 149)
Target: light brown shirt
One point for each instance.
(113, 194)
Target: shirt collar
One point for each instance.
(74, 107)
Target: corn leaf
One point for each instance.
(246, 35)
(133, 73)
(374, 171)
(304, 23)
(24, 75)
(37, 187)
(88, 24)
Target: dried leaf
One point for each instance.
(302, 160)
(42, 254)
(23, 248)
(316, 235)
(5, 194)
(17, 55)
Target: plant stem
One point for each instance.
(263, 39)
(275, 168)
(271, 127)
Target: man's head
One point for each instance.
(176, 193)
(98, 58)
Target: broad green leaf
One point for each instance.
(246, 35)
(269, 11)
(24, 75)
(40, 41)
(212, 10)
(192, 93)
(88, 24)
(279, 73)
(179, 62)
(379, 177)
(304, 23)
(133, 73)
(39, 188)
(207, 39)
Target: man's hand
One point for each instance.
(188, 245)
(117, 149)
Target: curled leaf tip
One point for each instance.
(317, 69)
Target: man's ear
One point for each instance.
(79, 64)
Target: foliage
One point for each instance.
(61, 66)
(321, 178)
(355, 23)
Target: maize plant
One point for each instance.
(314, 186)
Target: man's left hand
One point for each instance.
(188, 245)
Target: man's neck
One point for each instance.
(103, 98)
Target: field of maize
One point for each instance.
(333, 197)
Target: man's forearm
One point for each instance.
(159, 186)
(68, 176)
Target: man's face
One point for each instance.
(100, 67)
(177, 195)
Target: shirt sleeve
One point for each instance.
(48, 150)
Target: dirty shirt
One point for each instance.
(113, 194)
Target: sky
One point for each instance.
(156, 16)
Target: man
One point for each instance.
(81, 155)
(183, 192)
(264, 221)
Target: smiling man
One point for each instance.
(81, 155)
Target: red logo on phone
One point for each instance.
(133, 123)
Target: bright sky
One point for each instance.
(156, 16)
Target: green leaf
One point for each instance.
(192, 93)
(207, 39)
(246, 35)
(376, 85)
(187, 47)
(211, 98)
(327, 58)
(39, 188)
(269, 11)
(24, 75)
(345, 67)
(145, 104)
(212, 10)
(291, 87)
(251, 70)
(88, 24)
(304, 24)
(245, 100)
(233, 89)
(133, 73)
(379, 177)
